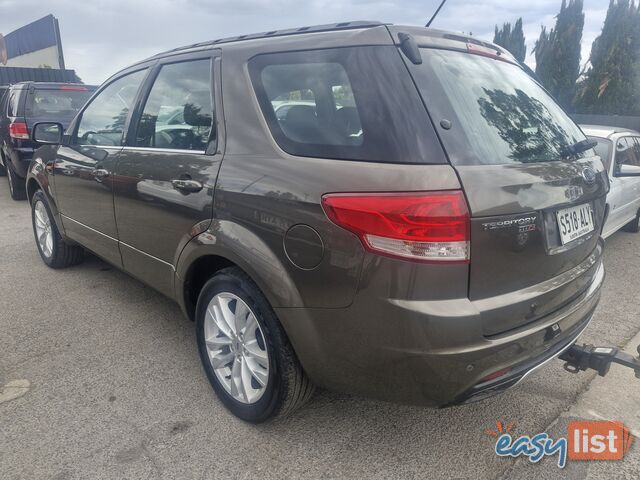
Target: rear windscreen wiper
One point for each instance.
(578, 147)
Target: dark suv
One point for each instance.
(390, 211)
(23, 105)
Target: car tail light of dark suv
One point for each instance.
(419, 226)
(19, 130)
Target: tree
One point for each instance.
(612, 83)
(558, 53)
(512, 40)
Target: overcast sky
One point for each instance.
(99, 37)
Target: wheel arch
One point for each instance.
(38, 179)
(32, 187)
(228, 244)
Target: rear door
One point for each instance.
(536, 198)
(84, 167)
(167, 171)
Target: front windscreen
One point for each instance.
(496, 113)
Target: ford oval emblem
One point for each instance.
(589, 175)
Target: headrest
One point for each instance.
(197, 109)
(348, 120)
(301, 114)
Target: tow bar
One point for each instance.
(579, 358)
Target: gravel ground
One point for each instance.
(109, 385)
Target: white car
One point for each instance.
(619, 149)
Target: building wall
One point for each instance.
(47, 56)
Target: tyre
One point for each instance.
(245, 352)
(3, 170)
(634, 225)
(55, 252)
(17, 186)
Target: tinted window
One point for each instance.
(345, 103)
(103, 121)
(51, 104)
(178, 113)
(498, 113)
(308, 111)
(12, 103)
(603, 149)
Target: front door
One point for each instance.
(83, 171)
(166, 172)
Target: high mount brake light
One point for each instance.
(420, 226)
(486, 52)
(74, 88)
(19, 130)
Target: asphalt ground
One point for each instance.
(102, 379)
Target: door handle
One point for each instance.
(100, 174)
(187, 185)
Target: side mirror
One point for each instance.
(47, 133)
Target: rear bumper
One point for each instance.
(431, 353)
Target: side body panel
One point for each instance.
(84, 195)
(264, 194)
(623, 198)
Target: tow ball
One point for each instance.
(579, 358)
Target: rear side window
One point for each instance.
(12, 103)
(50, 104)
(178, 113)
(347, 103)
(301, 115)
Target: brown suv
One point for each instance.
(390, 211)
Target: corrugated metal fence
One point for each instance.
(9, 75)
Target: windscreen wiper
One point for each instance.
(578, 148)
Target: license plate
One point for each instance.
(574, 222)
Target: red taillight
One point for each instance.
(429, 226)
(74, 88)
(19, 130)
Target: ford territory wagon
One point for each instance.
(389, 211)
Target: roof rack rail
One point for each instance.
(279, 33)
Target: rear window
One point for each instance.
(498, 113)
(51, 104)
(347, 103)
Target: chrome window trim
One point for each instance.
(106, 147)
(160, 150)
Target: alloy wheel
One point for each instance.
(43, 229)
(10, 179)
(236, 347)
